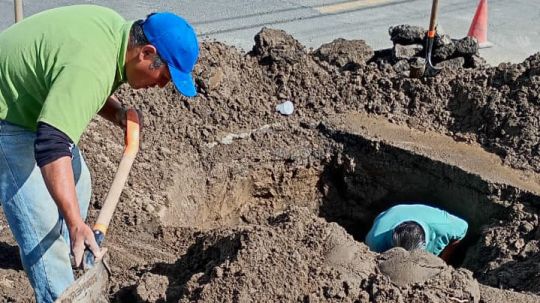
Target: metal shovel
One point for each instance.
(431, 70)
(92, 285)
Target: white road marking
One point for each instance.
(348, 6)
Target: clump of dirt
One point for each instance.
(276, 46)
(224, 199)
(345, 54)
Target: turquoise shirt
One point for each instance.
(439, 226)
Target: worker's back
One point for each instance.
(439, 226)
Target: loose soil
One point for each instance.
(229, 201)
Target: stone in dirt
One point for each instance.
(345, 54)
(407, 34)
(276, 46)
(466, 46)
(452, 64)
(444, 52)
(407, 51)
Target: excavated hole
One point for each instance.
(365, 176)
(368, 177)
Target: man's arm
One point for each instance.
(450, 234)
(113, 111)
(448, 251)
(116, 113)
(58, 176)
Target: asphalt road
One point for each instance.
(514, 26)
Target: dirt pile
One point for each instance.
(296, 257)
(223, 200)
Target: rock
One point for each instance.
(277, 46)
(345, 54)
(442, 40)
(210, 79)
(417, 67)
(407, 34)
(455, 63)
(444, 52)
(406, 51)
(466, 46)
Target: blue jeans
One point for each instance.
(32, 214)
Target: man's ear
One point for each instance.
(147, 52)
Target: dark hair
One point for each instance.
(409, 235)
(138, 38)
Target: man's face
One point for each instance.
(142, 72)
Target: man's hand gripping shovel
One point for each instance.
(91, 285)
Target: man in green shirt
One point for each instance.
(58, 69)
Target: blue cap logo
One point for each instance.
(176, 43)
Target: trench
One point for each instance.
(359, 186)
(372, 172)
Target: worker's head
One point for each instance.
(162, 48)
(409, 235)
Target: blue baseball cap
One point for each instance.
(176, 43)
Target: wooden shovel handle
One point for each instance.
(433, 19)
(130, 151)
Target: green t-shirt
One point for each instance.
(439, 226)
(60, 66)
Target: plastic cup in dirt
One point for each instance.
(285, 108)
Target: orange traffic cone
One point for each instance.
(479, 25)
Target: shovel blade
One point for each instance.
(91, 287)
(431, 71)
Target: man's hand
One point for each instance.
(121, 117)
(116, 113)
(81, 237)
(58, 176)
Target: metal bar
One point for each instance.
(18, 10)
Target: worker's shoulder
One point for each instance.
(415, 212)
(412, 207)
(84, 8)
(79, 12)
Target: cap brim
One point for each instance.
(183, 82)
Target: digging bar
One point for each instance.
(18, 5)
(91, 286)
(431, 70)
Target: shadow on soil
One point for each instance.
(9, 257)
(201, 258)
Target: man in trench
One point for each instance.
(417, 226)
(58, 69)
